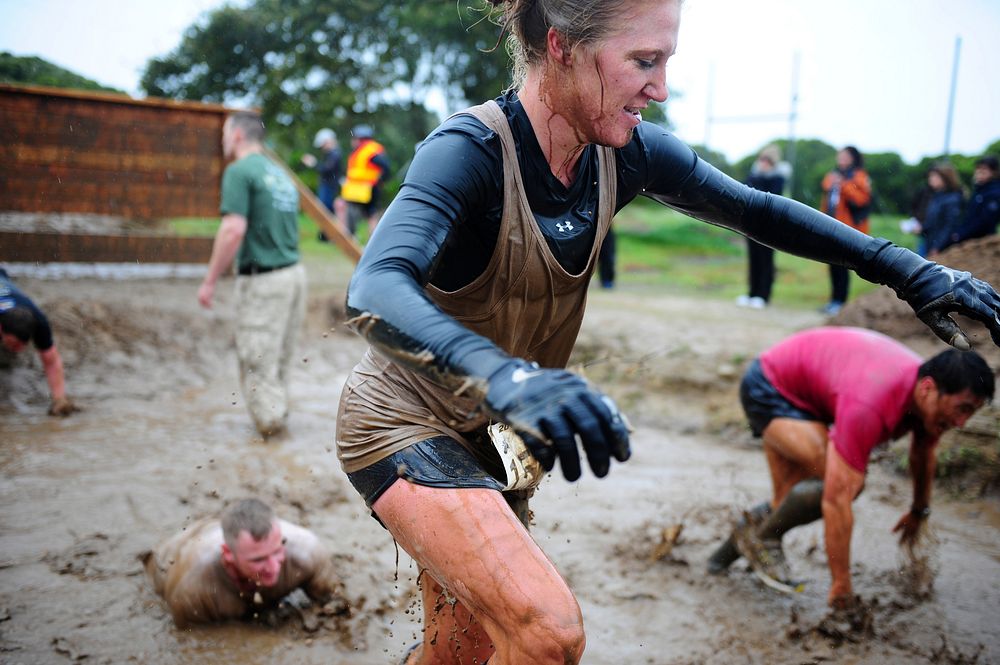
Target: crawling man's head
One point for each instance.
(254, 548)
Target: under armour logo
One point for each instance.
(564, 226)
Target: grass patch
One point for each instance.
(193, 227)
(661, 249)
(309, 242)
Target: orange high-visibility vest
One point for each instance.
(361, 174)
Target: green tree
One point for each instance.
(813, 158)
(308, 64)
(894, 183)
(715, 158)
(30, 70)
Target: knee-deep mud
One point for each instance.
(164, 439)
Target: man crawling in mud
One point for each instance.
(21, 323)
(239, 566)
(854, 389)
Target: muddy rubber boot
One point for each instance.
(726, 553)
(763, 547)
(803, 505)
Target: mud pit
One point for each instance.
(164, 440)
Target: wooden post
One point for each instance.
(319, 213)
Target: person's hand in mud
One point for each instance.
(908, 527)
(62, 407)
(550, 409)
(841, 596)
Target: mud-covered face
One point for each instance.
(259, 561)
(940, 412)
(609, 84)
(12, 343)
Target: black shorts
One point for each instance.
(762, 402)
(439, 462)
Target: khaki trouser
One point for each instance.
(270, 308)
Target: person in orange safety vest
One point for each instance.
(367, 169)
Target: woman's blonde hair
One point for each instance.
(527, 23)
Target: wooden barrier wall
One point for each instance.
(71, 151)
(66, 151)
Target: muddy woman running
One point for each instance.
(472, 290)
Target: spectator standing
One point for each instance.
(766, 176)
(606, 260)
(847, 196)
(983, 212)
(367, 170)
(944, 209)
(328, 167)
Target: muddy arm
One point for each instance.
(53, 365)
(923, 462)
(841, 484)
(386, 302)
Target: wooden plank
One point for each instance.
(147, 201)
(319, 213)
(110, 97)
(87, 248)
(107, 160)
(66, 175)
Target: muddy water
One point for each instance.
(85, 496)
(159, 446)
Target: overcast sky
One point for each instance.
(873, 73)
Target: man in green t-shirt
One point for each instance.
(260, 231)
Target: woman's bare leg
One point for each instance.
(506, 591)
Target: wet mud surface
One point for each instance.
(164, 440)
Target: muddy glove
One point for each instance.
(62, 406)
(933, 291)
(550, 408)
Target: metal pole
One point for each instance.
(951, 96)
(792, 115)
(708, 103)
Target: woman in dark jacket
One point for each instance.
(982, 215)
(944, 210)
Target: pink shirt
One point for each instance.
(859, 380)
